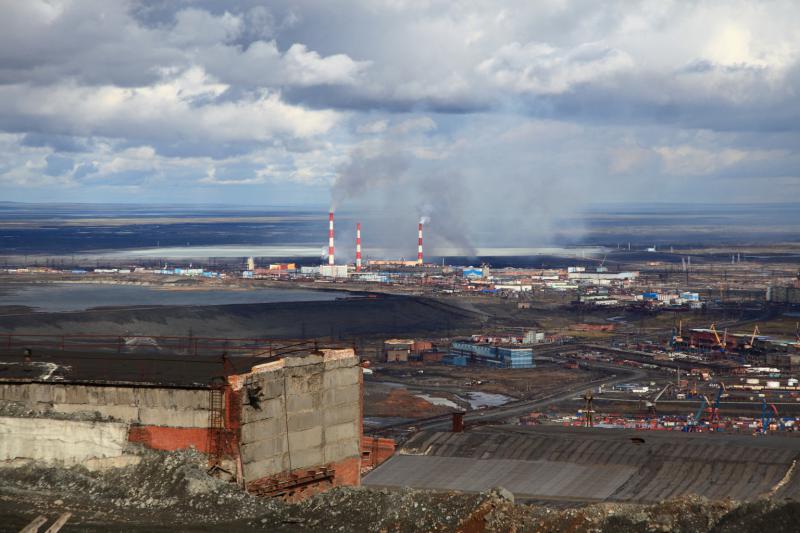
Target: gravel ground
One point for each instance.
(172, 492)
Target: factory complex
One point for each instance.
(581, 380)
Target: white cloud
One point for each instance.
(544, 69)
(138, 158)
(306, 67)
(555, 96)
(185, 107)
(195, 27)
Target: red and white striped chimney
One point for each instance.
(330, 238)
(419, 245)
(358, 247)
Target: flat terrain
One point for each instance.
(381, 316)
(400, 390)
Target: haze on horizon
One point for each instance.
(465, 112)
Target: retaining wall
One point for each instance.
(67, 442)
(185, 408)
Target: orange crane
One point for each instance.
(720, 342)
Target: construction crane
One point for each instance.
(677, 336)
(651, 403)
(720, 342)
(766, 415)
(600, 267)
(692, 424)
(588, 410)
(756, 332)
(721, 391)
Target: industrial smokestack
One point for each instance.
(419, 246)
(330, 238)
(358, 247)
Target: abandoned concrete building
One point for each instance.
(285, 425)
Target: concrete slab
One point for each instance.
(549, 462)
(526, 479)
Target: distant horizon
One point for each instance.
(500, 117)
(326, 207)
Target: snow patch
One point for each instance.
(437, 401)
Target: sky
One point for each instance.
(505, 112)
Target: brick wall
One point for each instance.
(374, 451)
(170, 439)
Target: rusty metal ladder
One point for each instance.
(216, 426)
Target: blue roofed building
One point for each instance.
(494, 355)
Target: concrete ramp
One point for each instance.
(530, 479)
(555, 463)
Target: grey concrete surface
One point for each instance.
(595, 464)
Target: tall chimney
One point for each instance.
(419, 246)
(330, 238)
(358, 247)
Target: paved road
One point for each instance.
(495, 414)
(524, 407)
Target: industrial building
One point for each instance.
(789, 294)
(603, 276)
(404, 350)
(284, 425)
(466, 352)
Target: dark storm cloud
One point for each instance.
(357, 99)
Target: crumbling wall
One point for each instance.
(70, 423)
(168, 407)
(301, 417)
(53, 441)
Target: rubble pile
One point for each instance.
(165, 491)
(163, 488)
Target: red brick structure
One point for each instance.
(374, 451)
(170, 439)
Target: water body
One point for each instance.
(59, 297)
(435, 400)
(479, 400)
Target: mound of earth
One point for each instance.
(173, 492)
